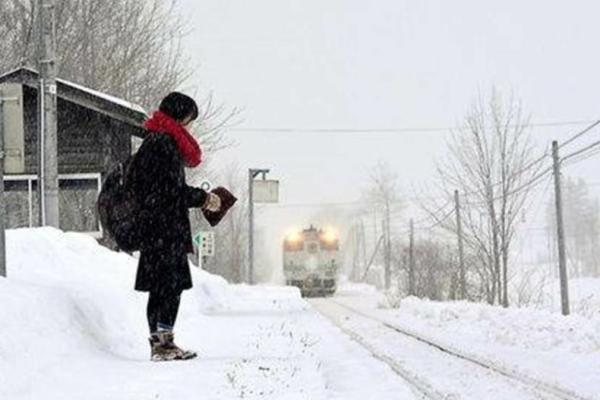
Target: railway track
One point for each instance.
(528, 386)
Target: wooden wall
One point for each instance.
(87, 140)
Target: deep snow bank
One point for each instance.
(541, 343)
(524, 328)
(67, 297)
(74, 328)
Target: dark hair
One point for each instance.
(179, 106)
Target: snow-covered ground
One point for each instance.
(534, 286)
(73, 328)
(544, 345)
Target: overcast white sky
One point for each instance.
(385, 64)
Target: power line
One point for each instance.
(578, 135)
(439, 221)
(549, 169)
(392, 130)
(526, 168)
(532, 164)
(543, 157)
(433, 215)
(583, 157)
(533, 182)
(580, 151)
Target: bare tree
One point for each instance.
(127, 48)
(491, 162)
(435, 277)
(382, 201)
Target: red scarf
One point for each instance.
(188, 146)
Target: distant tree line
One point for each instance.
(582, 228)
(492, 163)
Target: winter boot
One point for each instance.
(158, 352)
(168, 340)
(164, 348)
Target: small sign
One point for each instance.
(14, 128)
(205, 240)
(51, 88)
(265, 191)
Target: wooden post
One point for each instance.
(411, 260)
(387, 250)
(363, 241)
(2, 205)
(250, 272)
(562, 259)
(461, 261)
(366, 271)
(354, 234)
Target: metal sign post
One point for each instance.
(205, 241)
(48, 156)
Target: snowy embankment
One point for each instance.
(73, 327)
(538, 343)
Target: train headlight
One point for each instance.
(293, 241)
(293, 236)
(330, 235)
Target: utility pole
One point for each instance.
(250, 272)
(355, 251)
(560, 231)
(363, 241)
(47, 139)
(411, 260)
(2, 204)
(252, 173)
(387, 248)
(386, 270)
(461, 261)
(366, 271)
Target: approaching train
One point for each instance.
(311, 259)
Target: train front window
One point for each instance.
(293, 245)
(330, 245)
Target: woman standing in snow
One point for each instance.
(157, 178)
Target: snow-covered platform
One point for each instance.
(73, 328)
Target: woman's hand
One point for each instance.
(212, 202)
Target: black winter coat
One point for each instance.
(157, 178)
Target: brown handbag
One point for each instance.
(227, 201)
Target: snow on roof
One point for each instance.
(107, 97)
(12, 71)
(95, 93)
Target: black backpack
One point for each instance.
(118, 210)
